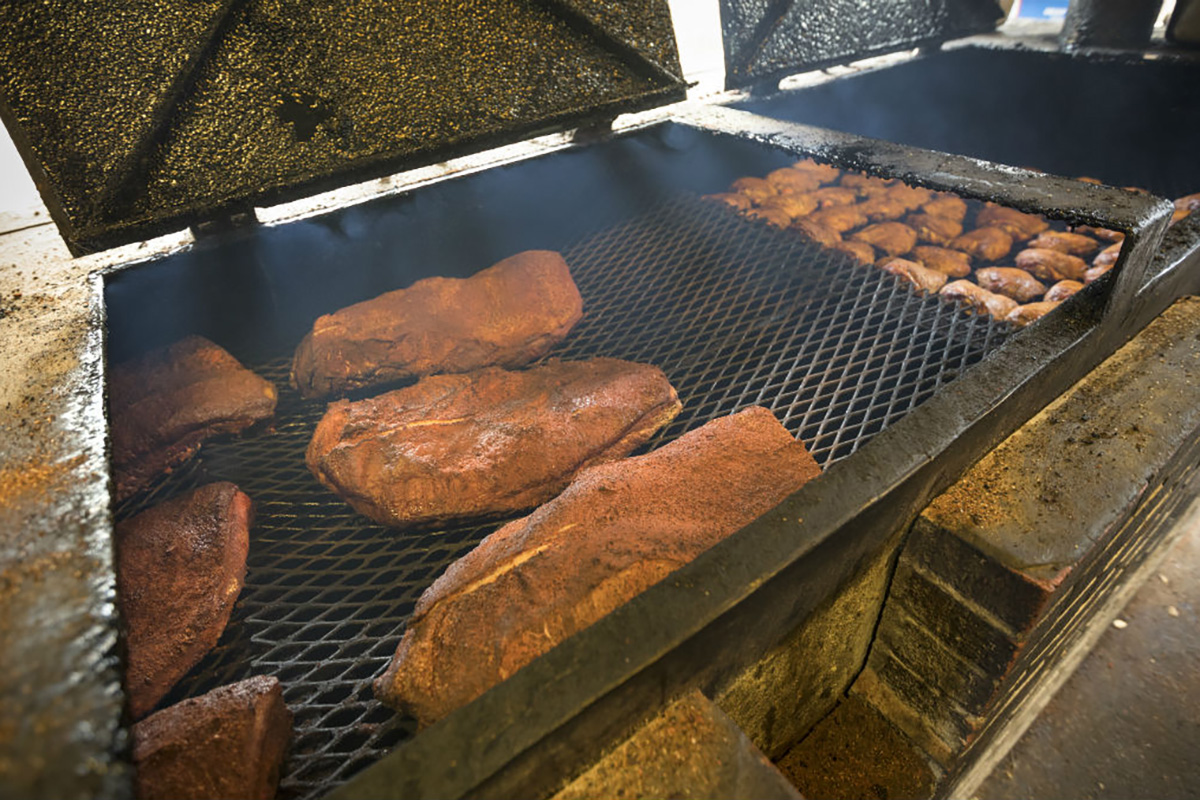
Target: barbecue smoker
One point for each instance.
(227, 117)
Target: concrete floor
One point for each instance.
(1127, 723)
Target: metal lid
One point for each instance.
(140, 116)
(768, 39)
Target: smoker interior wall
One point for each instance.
(1125, 122)
(259, 293)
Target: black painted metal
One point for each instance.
(1109, 23)
(718, 614)
(1126, 120)
(767, 39)
(736, 313)
(136, 120)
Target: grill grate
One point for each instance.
(734, 312)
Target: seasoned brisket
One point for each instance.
(164, 404)
(618, 529)
(507, 315)
(180, 567)
(487, 443)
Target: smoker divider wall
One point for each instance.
(720, 613)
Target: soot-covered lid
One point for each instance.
(138, 117)
(768, 39)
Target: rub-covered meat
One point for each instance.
(164, 404)
(864, 185)
(1190, 202)
(821, 234)
(731, 199)
(893, 238)
(826, 173)
(933, 229)
(985, 244)
(180, 566)
(507, 315)
(978, 298)
(486, 443)
(1095, 273)
(952, 263)
(881, 208)
(772, 215)
(757, 189)
(911, 197)
(835, 196)
(227, 743)
(794, 205)
(1051, 265)
(1074, 244)
(1061, 291)
(793, 181)
(617, 530)
(1031, 312)
(947, 206)
(1104, 234)
(925, 279)
(1016, 224)
(1010, 282)
(862, 252)
(839, 218)
(1108, 256)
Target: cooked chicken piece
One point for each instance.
(892, 238)
(839, 218)
(1180, 213)
(821, 234)
(1191, 202)
(1061, 291)
(835, 196)
(860, 250)
(1095, 273)
(794, 205)
(978, 298)
(772, 215)
(1136, 189)
(1010, 282)
(731, 199)
(912, 197)
(985, 244)
(825, 172)
(1100, 233)
(757, 189)
(864, 185)
(1016, 224)
(947, 206)
(925, 279)
(1032, 312)
(881, 208)
(952, 263)
(1108, 256)
(933, 229)
(1051, 265)
(1070, 243)
(1086, 179)
(793, 181)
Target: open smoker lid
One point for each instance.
(768, 39)
(137, 117)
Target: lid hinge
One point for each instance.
(228, 219)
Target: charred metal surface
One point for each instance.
(719, 614)
(1108, 23)
(767, 39)
(253, 103)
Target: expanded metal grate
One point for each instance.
(734, 312)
